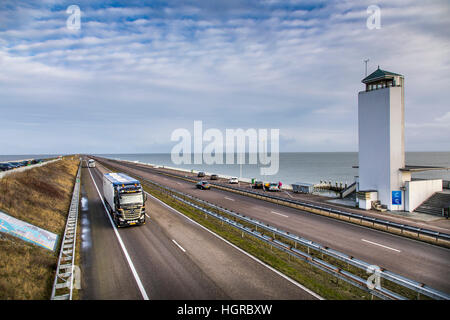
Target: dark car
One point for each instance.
(5, 167)
(203, 185)
(14, 164)
(214, 177)
(258, 185)
(201, 174)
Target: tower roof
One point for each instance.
(379, 74)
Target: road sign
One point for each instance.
(397, 198)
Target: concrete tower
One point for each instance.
(381, 118)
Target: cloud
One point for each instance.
(292, 65)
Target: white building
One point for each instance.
(383, 175)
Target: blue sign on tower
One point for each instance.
(396, 198)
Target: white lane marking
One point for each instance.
(289, 195)
(229, 199)
(380, 245)
(124, 249)
(147, 216)
(240, 250)
(280, 214)
(182, 249)
(179, 183)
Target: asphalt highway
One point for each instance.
(170, 257)
(416, 260)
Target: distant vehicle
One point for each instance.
(234, 180)
(15, 164)
(203, 185)
(91, 163)
(11, 166)
(258, 185)
(201, 174)
(124, 198)
(272, 187)
(214, 177)
(5, 167)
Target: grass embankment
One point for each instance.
(40, 196)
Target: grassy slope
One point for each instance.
(40, 196)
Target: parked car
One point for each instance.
(5, 167)
(214, 177)
(14, 164)
(203, 185)
(234, 180)
(11, 166)
(273, 187)
(201, 174)
(258, 185)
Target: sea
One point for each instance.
(306, 167)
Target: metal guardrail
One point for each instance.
(66, 262)
(387, 223)
(385, 274)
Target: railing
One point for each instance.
(64, 278)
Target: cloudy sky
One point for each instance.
(137, 70)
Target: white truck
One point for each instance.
(91, 163)
(125, 199)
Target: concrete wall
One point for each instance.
(381, 142)
(418, 191)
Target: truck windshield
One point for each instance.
(131, 199)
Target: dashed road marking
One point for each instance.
(280, 214)
(380, 245)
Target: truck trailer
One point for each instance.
(125, 199)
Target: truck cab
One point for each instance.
(91, 163)
(125, 199)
